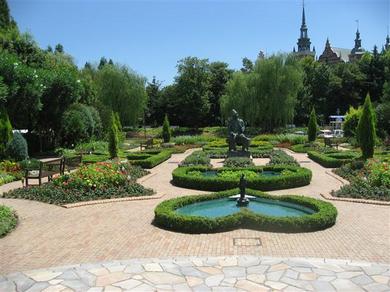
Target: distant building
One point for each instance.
(304, 40)
(333, 55)
(387, 45)
(357, 51)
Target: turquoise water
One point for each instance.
(224, 207)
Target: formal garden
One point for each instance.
(98, 164)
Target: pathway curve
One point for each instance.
(50, 236)
(243, 273)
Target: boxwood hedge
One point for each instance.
(149, 159)
(295, 177)
(167, 217)
(333, 159)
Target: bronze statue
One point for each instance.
(242, 200)
(236, 128)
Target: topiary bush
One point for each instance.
(113, 140)
(332, 159)
(17, 148)
(196, 158)
(366, 129)
(166, 130)
(149, 159)
(166, 216)
(209, 179)
(238, 162)
(312, 127)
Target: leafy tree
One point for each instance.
(312, 126)
(247, 65)
(5, 18)
(59, 49)
(110, 62)
(351, 121)
(113, 137)
(192, 91)
(383, 117)
(5, 131)
(3, 91)
(102, 63)
(155, 107)
(166, 130)
(267, 96)
(17, 148)
(123, 91)
(366, 129)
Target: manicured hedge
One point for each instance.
(149, 159)
(300, 177)
(167, 217)
(332, 160)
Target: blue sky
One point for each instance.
(150, 36)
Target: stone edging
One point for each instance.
(335, 177)
(116, 200)
(353, 200)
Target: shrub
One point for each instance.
(351, 121)
(17, 148)
(281, 139)
(6, 178)
(149, 159)
(8, 220)
(5, 131)
(113, 138)
(193, 177)
(166, 131)
(196, 158)
(238, 162)
(192, 140)
(93, 146)
(167, 217)
(120, 134)
(281, 157)
(304, 148)
(333, 159)
(383, 116)
(362, 189)
(312, 126)
(366, 129)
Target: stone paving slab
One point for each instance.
(235, 273)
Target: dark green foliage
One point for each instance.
(5, 17)
(304, 148)
(362, 189)
(149, 159)
(281, 157)
(290, 178)
(166, 217)
(166, 130)
(8, 220)
(80, 123)
(332, 160)
(312, 127)
(238, 162)
(196, 158)
(5, 131)
(366, 130)
(17, 148)
(113, 138)
(383, 117)
(351, 121)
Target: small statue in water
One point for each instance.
(242, 200)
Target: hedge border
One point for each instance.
(10, 220)
(166, 217)
(326, 161)
(301, 177)
(153, 160)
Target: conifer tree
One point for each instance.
(312, 126)
(113, 140)
(5, 131)
(166, 130)
(366, 129)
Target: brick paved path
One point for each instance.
(243, 273)
(49, 235)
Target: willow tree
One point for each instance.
(266, 96)
(121, 90)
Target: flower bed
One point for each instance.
(149, 159)
(167, 217)
(332, 159)
(196, 158)
(199, 178)
(104, 180)
(9, 172)
(8, 220)
(221, 144)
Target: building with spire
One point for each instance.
(304, 40)
(387, 45)
(357, 51)
(332, 55)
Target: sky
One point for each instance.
(150, 36)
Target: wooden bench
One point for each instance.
(47, 169)
(148, 144)
(71, 163)
(329, 141)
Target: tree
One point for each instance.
(351, 121)
(312, 126)
(121, 90)
(5, 131)
(267, 96)
(247, 65)
(17, 148)
(154, 111)
(59, 49)
(113, 137)
(366, 129)
(192, 91)
(102, 63)
(5, 18)
(166, 130)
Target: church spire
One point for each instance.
(303, 15)
(304, 40)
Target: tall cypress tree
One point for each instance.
(312, 126)
(5, 18)
(5, 131)
(113, 140)
(366, 129)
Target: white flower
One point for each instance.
(78, 81)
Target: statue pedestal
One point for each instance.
(238, 153)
